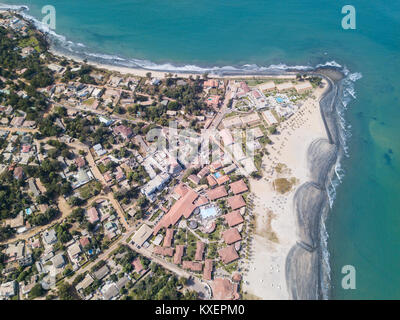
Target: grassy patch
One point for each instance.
(155, 215)
(283, 185)
(30, 42)
(88, 102)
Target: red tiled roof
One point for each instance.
(137, 265)
(107, 177)
(80, 162)
(236, 277)
(179, 253)
(84, 241)
(126, 132)
(202, 200)
(223, 179)
(193, 266)
(256, 94)
(18, 173)
(168, 238)
(203, 172)
(236, 202)
(244, 87)
(93, 215)
(211, 83)
(224, 289)
(233, 218)
(228, 254)
(199, 250)
(193, 178)
(26, 148)
(210, 227)
(216, 193)
(183, 207)
(216, 165)
(211, 181)
(213, 101)
(208, 267)
(231, 236)
(238, 187)
(181, 189)
(164, 251)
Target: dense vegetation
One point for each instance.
(162, 285)
(12, 199)
(36, 74)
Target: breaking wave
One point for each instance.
(66, 47)
(347, 94)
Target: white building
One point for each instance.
(156, 184)
(8, 289)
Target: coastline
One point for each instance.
(277, 223)
(303, 269)
(306, 274)
(142, 72)
(62, 47)
(303, 262)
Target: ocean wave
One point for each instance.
(4, 6)
(325, 271)
(347, 94)
(61, 44)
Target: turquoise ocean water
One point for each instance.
(364, 223)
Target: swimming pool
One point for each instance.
(279, 99)
(208, 212)
(217, 175)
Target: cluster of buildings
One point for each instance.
(161, 167)
(279, 97)
(20, 150)
(206, 200)
(55, 262)
(91, 96)
(9, 21)
(196, 208)
(10, 118)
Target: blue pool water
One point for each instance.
(217, 175)
(208, 212)
(279, 100)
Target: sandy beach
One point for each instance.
(276, 230)
(140, 72)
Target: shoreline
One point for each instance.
(141, 67)
(310, 286)
(289, 255)
(306, 253)
(306, 273)
(141, 72)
